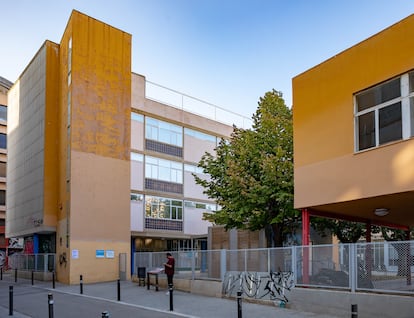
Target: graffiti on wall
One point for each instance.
(2, 258)
(258, 285)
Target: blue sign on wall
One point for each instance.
(100, 253)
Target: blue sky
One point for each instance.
(226, 52)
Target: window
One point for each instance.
(163, 208)
(3, 112)
(199, 135)
(136, 197)
(164, 132)
(137, 117)
(3, 141)
(2, 197)
(2, 169)
(165, 170)
(199, 205)
(193, 168)
(137, 157)
(70, 61)
(384, 113)
(412, 116)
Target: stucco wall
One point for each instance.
(327, 168)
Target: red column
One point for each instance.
(305, 227)
(305, 244)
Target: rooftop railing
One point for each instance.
(194, 105)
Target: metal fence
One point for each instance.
(33, 262)
(380, 267)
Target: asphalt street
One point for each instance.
(135, 301)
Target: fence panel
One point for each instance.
(382, 267)
(193, 264)
(323, 265)
(385, 266)
(33, 262)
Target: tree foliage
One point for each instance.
(251, 175)
(352, 232)
(345, 231)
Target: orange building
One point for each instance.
(353, 118)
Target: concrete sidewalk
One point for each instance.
(31, 301)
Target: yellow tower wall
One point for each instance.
(94, 190)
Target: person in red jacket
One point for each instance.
(169, 269)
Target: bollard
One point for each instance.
(170, 292)
(354, 311)
(119, 289)
(50, 302)
(10, 300)
(32, 278)
(53, 280)
(1, 273)
(15, 275)
(81, 284)
(239, 304)
(105, 314)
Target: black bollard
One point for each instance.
(354, 311)
(32, 277)
(10, 300)
(53, 280)
(50, 302)
(239, 304)
(119, 289)
(1, 273)
(81, 284)
(15, 275)
(170, 289)
(105, 314)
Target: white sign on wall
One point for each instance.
(75, 254)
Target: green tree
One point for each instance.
(404, 258)
(345, 231)
(251, 175)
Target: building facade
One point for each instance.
(4, 88)
(353, 132)
(97, 171)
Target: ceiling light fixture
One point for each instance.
(381, 211)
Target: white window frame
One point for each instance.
(137, 157)
(137, 117)
(156, 129)
(404, 99)
(163, 169)
(162, 207)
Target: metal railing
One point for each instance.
(194, 105)
(379, 267)
(33, 262)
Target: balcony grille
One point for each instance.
(163, 224)
(163, 148)
(163, 186)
